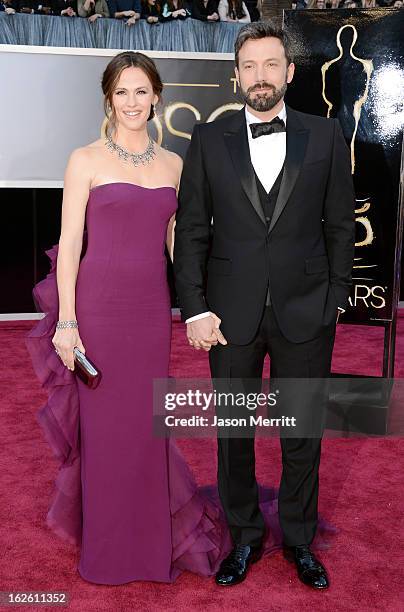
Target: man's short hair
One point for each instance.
(263, 29)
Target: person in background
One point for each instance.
(205, 10)
(316, 4)
(398, 4)
(300, 4)
(151, 11)
(42, 7)
(176, 9)
(25, 6)
(65, 8)
(254, 8)
(9, 6)
(234, 11)
(119, 9)
(92, 9)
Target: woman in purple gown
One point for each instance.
(118, 494)
(124, 496)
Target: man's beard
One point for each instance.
(265, 101)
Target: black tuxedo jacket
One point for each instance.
(306, 253)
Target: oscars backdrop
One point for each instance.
(349, 65)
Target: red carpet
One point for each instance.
(361, 493)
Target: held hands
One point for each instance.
(64, 341)
(205, 333)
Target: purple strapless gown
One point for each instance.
(126, 497)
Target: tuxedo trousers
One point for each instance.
(239, 368)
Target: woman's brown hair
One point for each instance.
(111, 76)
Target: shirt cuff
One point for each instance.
(202, 315)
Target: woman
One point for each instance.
(234, 11)
(125, 496)
(142, 518)
(151, 11)
(205, 10)
(92, 9)
(176, 9)
(9, 6)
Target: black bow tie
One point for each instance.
(267, 127)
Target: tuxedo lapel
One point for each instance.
(296, 143)
(237, 142)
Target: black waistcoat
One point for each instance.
(268, 201)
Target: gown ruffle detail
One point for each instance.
(200, 537)
(59, 417)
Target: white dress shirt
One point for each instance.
(267, 155)
(268, 152)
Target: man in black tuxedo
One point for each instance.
(275, 186)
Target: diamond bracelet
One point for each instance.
(65, 324)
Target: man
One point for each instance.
(120, 9)
(277, 185)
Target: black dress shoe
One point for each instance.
(233, 569)
(309, 568)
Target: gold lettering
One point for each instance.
(379, 297)
(369, 232)
(169, 112)
(362, 209)
(224, 109)
(357, 295)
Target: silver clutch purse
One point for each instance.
(86, 370)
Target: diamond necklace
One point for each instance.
(136, 158)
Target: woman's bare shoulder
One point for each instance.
(83, 161)
(87, 152)
(97, 144)
(94, 147)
